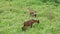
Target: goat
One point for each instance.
(32, 13)
(29, 23)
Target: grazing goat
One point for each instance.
(32, 13)
(29, 23)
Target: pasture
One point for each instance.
(13, 13)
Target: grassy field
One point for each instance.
(13, 14)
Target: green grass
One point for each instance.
(12, 17)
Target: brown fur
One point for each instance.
(32, 13)
(29, 23)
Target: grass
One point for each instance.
(14, 13)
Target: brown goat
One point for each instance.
(32, 12)
(29, 23)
